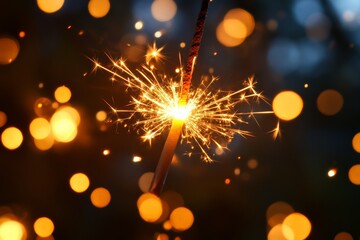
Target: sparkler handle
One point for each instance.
(166, 157)
(194, 50)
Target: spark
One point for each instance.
(211, 118)
(154, 53)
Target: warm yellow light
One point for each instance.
(44, 144)
(287, 105)
(235, 28)
(332, 172)
(276, 233)
(11, 138)
(40, 128)
(354, 174)
(225, 39)
(11, 230)
(9, 49)
(63, 126)
(3, 118)
(181, 218)
(163, 10)
(277, 212)
(227, 181)
(330, 102)
(79, 182)
(106, 152)
(137, 159)
(62, 94)
(356, 142)
(145, 181)
(50, 6)
(99, 8)
(252, 163)
(296, 226)
(72, 112)
(239, 23)
(22, 34)
(167, 225)
(181, 112)
(44, 227)
(237, 171)
(150, 207)
(100, 197)
(139, 25)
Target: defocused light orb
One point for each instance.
(50, 6)
(63, 126)
(139, 25)
(283, 56)
(276, 233)
(354, 174)
(348, 11)
(181, 218)
(239, 23)
(79, 182)
(9, 49)
(332, 172)
(343, 236)
(72, 112)
(150, 207)
(22, 34)
(167, 225)
(304, 9)
(44, 227)
(44, 144)
(62, 94)
(225, 39)
(40, 128)
(43, 107)
(252, 163)
(277, 212)
(299, 224)
(356, 142)
(11, 138)
(287, 105)
(100, 197)
(158, 34)
(163, 10)
(136, 159)
(101, 116)
(145, 181)
(3, 118)
(330, 102)
(237, 171)
(99, 8)
(12, 230)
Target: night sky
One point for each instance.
(304, 46)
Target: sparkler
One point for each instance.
(198, 117)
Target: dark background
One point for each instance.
(292, 168)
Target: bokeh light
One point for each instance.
(100, 197)
(3, 118)
(299, 224)
(277, 212)
(356, 142)
(287, 105)
(276, 233)
(44, 144)
(101, 116)
(303, 10)
(163, 10)
(181, 218)
(332, 172)
(44, 227)
(145, 181)
(63, 126)
(50, 6)
(225, 39)
(75, 115)
(330, 102)
(252, 163)
(79, 182)
(62, 94)
(162, 236)
(354, 174)
(150, 207)
(11, 138)
(40, 128)
(139, 25)
(11, 229)
(9, 49)
(239, 23)
(343, 236)
(99, 8)
(136, 159)
(43, 107)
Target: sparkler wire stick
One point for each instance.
(177, 124)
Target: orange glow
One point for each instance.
(9, 49)
(43, 107)
(356, 142)
(162, 236)
(44, 227)
(100, 197)
(227, 181)
(354, 174)
(277, 212)
(137, 159)
(150, 207)
(72, 112)
(44, 144)
(181, 218)
(50, 6)
(300, 226)
(101, 116)
(225, 39)
(11, 138)
(145, 181)
(287, 105)
(330, 102)
(182, 45)
(343, 236)
(239, 23)
(62, 94)
(40, 128)
(99, 8)
(235, 28)
(332, 172)
(237, 171)
(11, 229)
(63, 126)
(3, 118)
(252, 163)
(276, 233)
(106, 152)
(167, 225)
(79, 182)
(22, 34)
(163, 10)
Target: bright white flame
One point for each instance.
(181, 112)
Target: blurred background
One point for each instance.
(67, 171)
